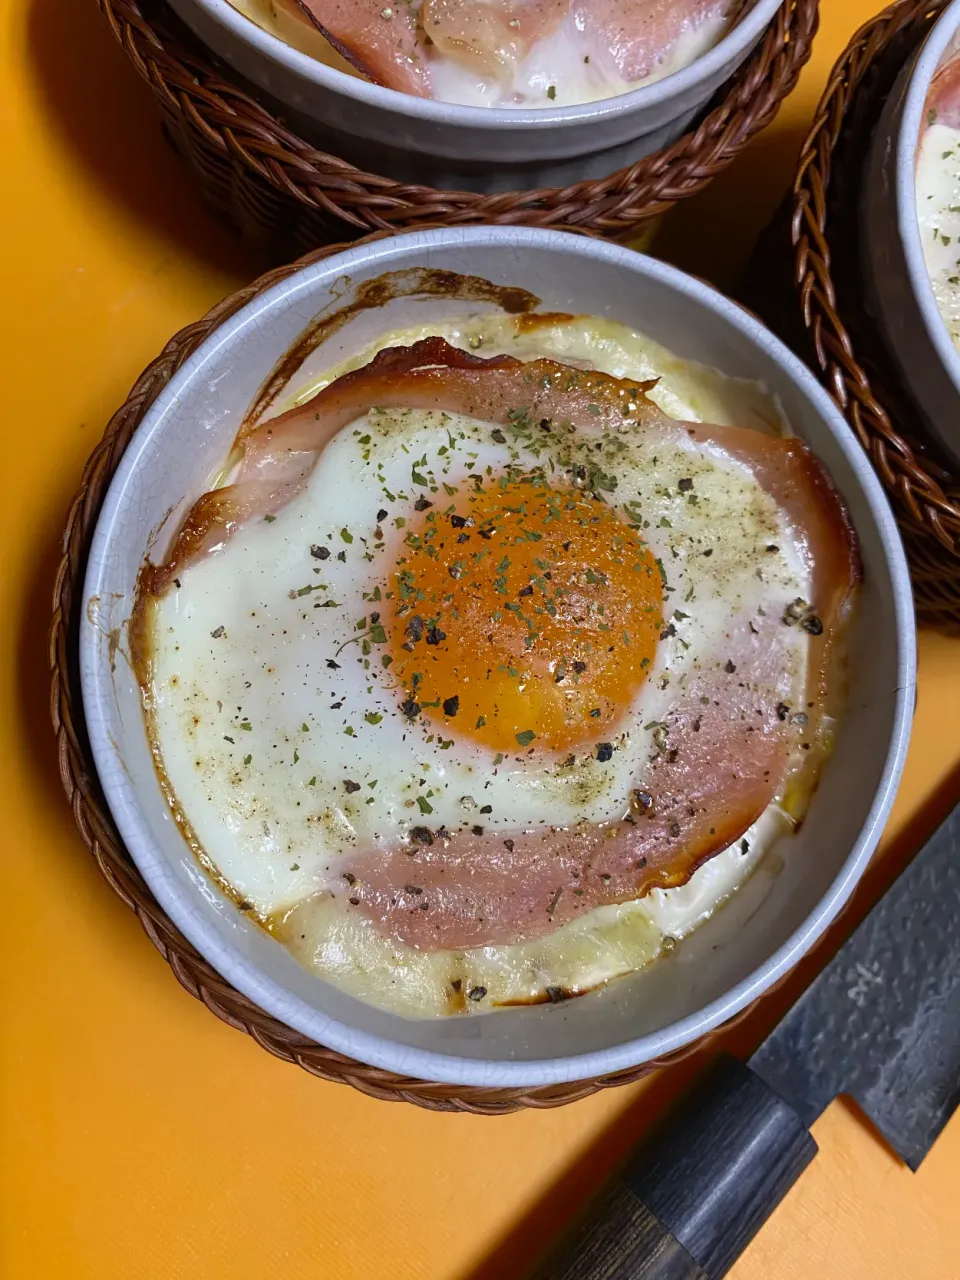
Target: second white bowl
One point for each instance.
(895, 271)
(748, 944)
(470, 148)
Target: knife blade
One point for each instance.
(881, 1024)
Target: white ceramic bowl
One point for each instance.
(898, 284)
(472, 148)
(748, 944)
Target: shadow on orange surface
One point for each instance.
(109, 123)
(519, 1249)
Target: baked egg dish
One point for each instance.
(497, 657)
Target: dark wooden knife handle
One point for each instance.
(696, 1191)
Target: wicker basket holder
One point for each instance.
(96, 826)
(287, 197)
(807, 285)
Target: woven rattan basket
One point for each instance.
(821, 313)
(287, 197)
(96, 826)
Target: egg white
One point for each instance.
(938, 212)
(258, 735)
(554, 73)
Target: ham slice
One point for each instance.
(279, 455)
(724, 749)
(943, 100)
(396, 44)
(380, 40)
(636, 37)
(720, 765)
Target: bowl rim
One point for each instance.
(271, 995)
(908, 217)
(737, 42)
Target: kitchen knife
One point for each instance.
(881, 1024)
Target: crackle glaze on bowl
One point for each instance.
(748, 944)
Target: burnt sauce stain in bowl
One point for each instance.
(428, 282)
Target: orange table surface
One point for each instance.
(140, 1137)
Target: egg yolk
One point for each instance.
(522, 616)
